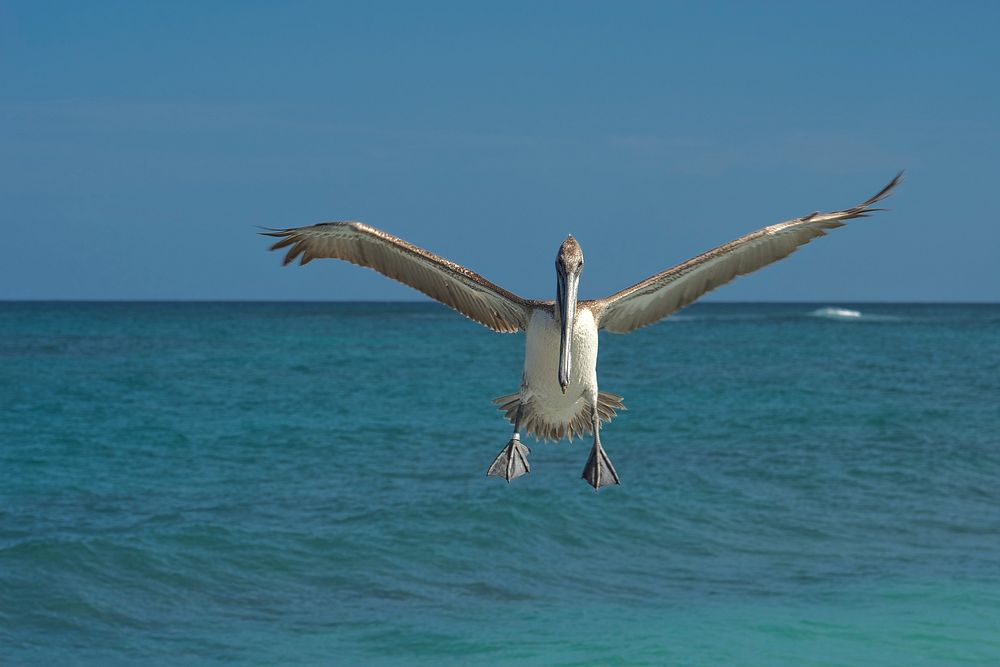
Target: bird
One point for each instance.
(559, 395)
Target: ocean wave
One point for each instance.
(786, 313)
(835, 313)
(851, 315)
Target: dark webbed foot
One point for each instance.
(511, 462)
(599, 472)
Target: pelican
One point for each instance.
(559, 395)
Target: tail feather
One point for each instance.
(582, 423)
(608, 404)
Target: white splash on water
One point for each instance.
(834, 313)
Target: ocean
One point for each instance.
(304, 484)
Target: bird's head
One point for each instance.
(570, 257)
(569, 265)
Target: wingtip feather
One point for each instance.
(885, 192)
(286, 241)
(866, 208)
(292, 253)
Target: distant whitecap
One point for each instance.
(834, 313)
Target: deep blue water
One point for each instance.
(200, 483)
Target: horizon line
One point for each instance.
(437, 303)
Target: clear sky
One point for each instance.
(141, 143)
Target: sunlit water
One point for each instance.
(304, 484)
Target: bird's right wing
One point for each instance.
(659, 295)
(453, 285)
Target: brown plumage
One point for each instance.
(657, 296)
(453, 285)
(492, 306)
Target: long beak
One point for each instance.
(566, 296)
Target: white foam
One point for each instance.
(834, 313)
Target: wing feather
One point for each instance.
(656, 297)
(453, 285)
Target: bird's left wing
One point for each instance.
(659, 295)
(453, 285)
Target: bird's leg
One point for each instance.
(512, 461)
(598, 472)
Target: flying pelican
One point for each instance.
(559, 395)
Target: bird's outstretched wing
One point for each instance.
(659, 295)
(453, 285)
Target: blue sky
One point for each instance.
(141, 143)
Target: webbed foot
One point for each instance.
(511, 462)
(599, 472)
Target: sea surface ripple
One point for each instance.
(304, 483)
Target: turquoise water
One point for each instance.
(305, 484)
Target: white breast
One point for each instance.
(541, 367)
